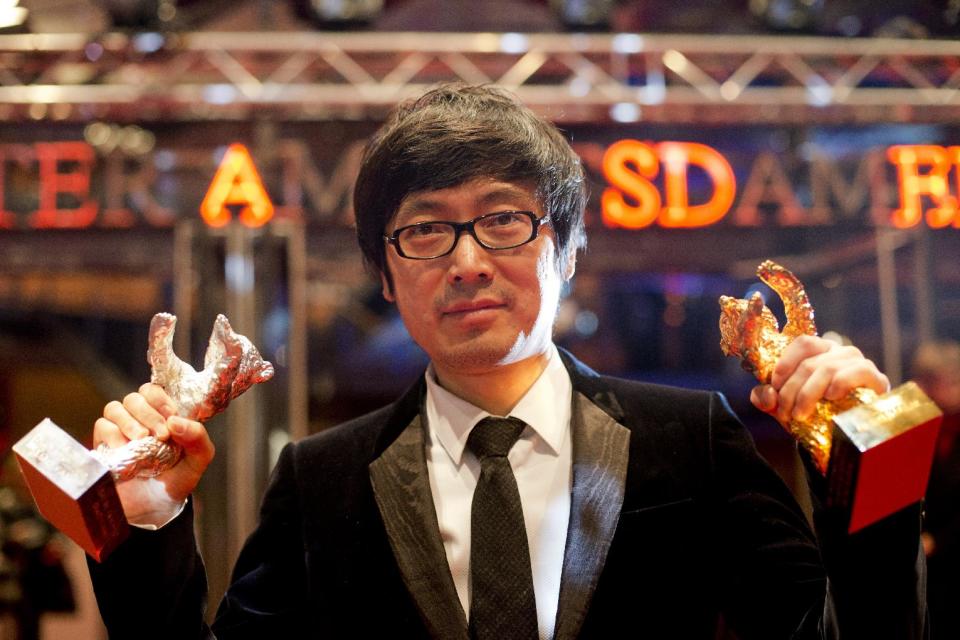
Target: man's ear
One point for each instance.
(387, 287)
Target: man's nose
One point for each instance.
(469, 262)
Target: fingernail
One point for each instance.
(177, 428)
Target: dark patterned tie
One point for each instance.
(502, 604)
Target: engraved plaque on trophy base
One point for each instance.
(881, 454)
(72, 489)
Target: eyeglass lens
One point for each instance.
(501, 230)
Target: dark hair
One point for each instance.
(453, 134)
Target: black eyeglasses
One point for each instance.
(495, 231)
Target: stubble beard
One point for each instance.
(475, 353)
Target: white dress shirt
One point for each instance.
(541, 461)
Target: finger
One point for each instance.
(158, 398)
(831, 375)
(193, 437)
(764, 398)
(108, 433)
(811, 392)
(790, 389)
(833, 358)
(126, 423)
(144, 413)
(801, 349)
(860, 373)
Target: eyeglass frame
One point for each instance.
(468, 226)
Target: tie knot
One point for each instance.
(494, 436)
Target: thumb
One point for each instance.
(764, 398)
(193, 437)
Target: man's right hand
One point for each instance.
(150, 411)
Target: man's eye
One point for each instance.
(503, 219)
(424, 230)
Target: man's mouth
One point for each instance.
(472, 306)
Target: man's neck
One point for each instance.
(496, 390)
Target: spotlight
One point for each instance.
(12, 17)
(140, 14)
(338, 13)
(583, 14)
(788, 15)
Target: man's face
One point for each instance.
(476, 309)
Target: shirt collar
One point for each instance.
(450, 418)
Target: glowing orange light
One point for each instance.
(914, 185)
(634, 182)
(56, 181)
(677, 156)
(237, 183)
(629, 167)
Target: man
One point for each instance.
(625, 507)
(936, 368)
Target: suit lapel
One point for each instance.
(402, 491)
(401, 488)
(600, 455)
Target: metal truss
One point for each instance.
(569, 77)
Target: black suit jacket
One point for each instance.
(676, 522)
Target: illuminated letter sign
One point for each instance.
(933, 184)
(236, 183)
(768, 183)
(676, 157)
(56, 181)
(630, 165)
(633, 181)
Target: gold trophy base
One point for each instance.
(72, 489)
(881, 454)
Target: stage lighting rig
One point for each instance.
(789, 15)
(163, 15)
(339, 14)
(12, 17)
(583, 14)
(139, 14)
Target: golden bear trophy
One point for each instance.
(874, 450)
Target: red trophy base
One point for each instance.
(72, 489)
(881, 455)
